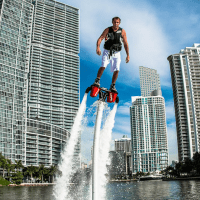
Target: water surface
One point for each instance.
(115, 191)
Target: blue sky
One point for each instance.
(155, 29)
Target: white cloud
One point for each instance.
(147, 42)
(124, 109)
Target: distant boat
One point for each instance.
(151, 177)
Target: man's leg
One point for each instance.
(100, 72)
(114, 78)
(115, 75)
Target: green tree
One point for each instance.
(17, 177)
(18, 165)
(30, 170)
(3, 164)
(188, 165)
(169, 171)
(179, 168)
(42, 171)
(196, 162)
(51, 171)
(9, 167)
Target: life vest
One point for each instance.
(113, 40)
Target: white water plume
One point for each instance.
(96, 147)
(104, 160)
(61, 189)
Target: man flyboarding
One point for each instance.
(114, 36)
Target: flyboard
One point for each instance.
(110, 97)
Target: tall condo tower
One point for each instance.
(53, 94)
(39, 69)
(15, 38)
(185, 75)
(148, 126)
(149, 81)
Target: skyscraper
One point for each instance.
(148, 125)
(40, 79)
(185, 76)
(149, 81)
(53, 94)
(15, 38)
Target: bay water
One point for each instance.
(114, 191)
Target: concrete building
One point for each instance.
(39, 74)
(149, 81)
(15, 39)
(117, 165)
(148, 134)
(124, 144)
(185, 76)
(53, 94)
(148, 125)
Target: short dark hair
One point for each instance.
(116, 18)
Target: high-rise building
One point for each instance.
(148, 125)
(185, 76)
(15, 38)
(149, 81)
(148, 134)
(123, 144)
(53, 94)
(39, 68)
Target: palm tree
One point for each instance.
(18, 165)
(3, 163)
(42, 171)
(52, 171)
(9, 167)
(30, 170)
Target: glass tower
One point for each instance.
(39, 69)
(149, 81)
(185, 76)
(148, 125)
(53, 94)
(15, 32)
(148, 134)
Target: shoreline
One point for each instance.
(31, 184)
(181, 178)
(128, 180)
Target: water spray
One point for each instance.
(111, 98)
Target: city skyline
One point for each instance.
(155, 30)
(151, 39)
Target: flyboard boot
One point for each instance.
(97, 82)
(112, 88)
(104, 93)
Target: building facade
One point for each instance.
(53, 94)
(185, 76)
(124, 145)
(148, 134)
(117, 167)
(15, 39)
(148, 125)
(149, 81)
(39, 68)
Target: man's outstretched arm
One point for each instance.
(125, 45)
(103, 35)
